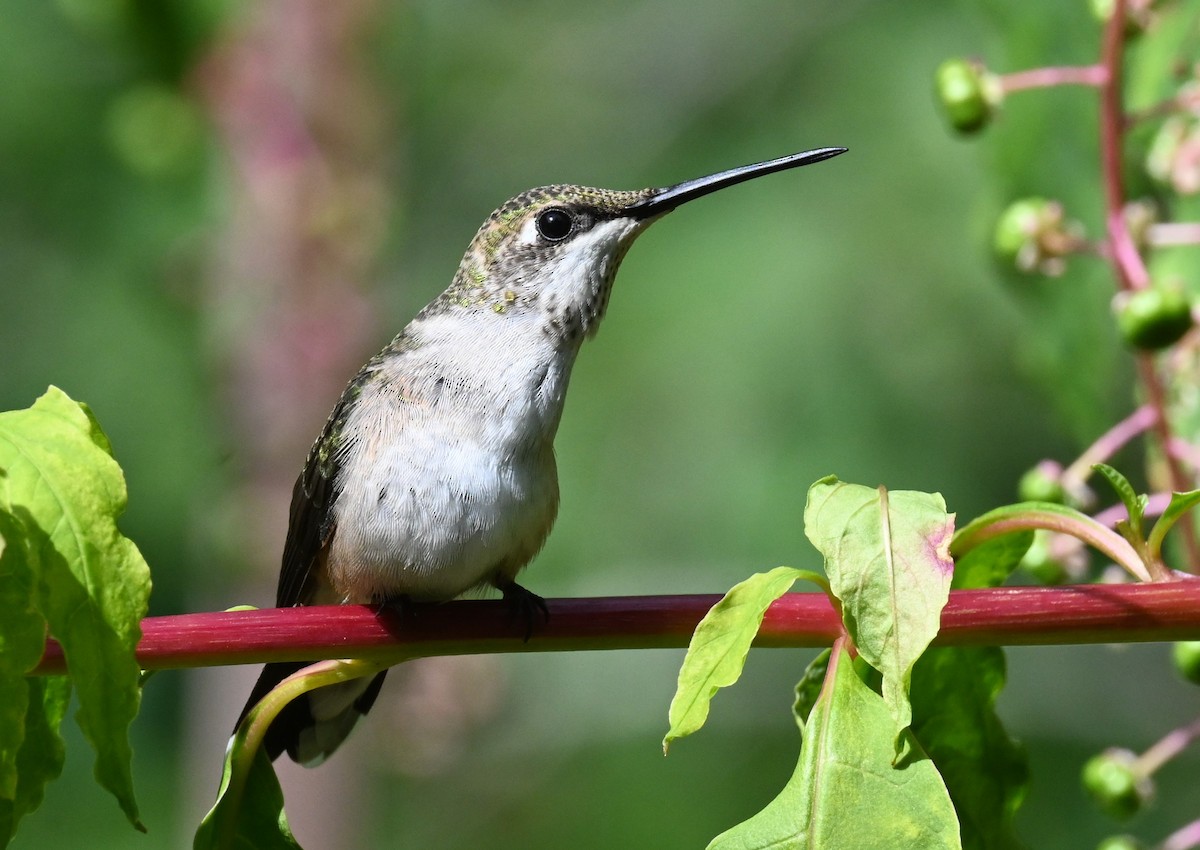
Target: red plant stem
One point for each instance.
(1093, 613)
(1178, 479)
(1127, 260)
(1062, 75)
(1131, 269)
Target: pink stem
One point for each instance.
(1173, 233)
(1155, 505)
(1171, 745)
(1184, 451)
(1069, 75)
(1184, 838)
(1112, 441)
(1131, 269)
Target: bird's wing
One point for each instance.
(310, 520)
(296, 729)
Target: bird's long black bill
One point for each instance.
(665, 200)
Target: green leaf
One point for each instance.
(94, 584)
(22, 628)
(249, 819)
(1135, 505)
(22, 638)
(808, 689)
(14, 704)
(249, 809)
(888, 561)
(1177, 508)
(719, 646)
(40, 758)
(991, 563)
(846, 792)
(954, 694)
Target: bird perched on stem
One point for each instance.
(435, 472)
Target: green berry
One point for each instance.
(1135, 15)
(1111, 782)
(1019, 225)
(968, 94)
(1139, 217)
(1168, 160)
(1042, 566)
(1186, 656)
(1043, 569)
(1042, 484)
(1120, 842)
(1154, 318)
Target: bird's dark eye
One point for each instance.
(555, 224)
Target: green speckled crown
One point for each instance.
(605, 203)
(611, 202)
(485, 278)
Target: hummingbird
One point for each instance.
(435, 472)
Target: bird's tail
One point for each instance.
(313, 725)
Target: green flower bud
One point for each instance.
(1044, 569)
(1186, 656)
(1112, 783)
(968, 94)
(1171, 157)
(1139, 217)
(1019, 225)
(1153, 318)
(1042, 484)
(1035, 235)
(1055, 558)
(1137, 14)
(1120, 842)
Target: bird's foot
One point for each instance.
(526, 605)
(402, 607)
(402, 604)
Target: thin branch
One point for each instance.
(1061, 75)
(1171, 745)
(1127, 260)
(1167, 234)
(1156, 397)
(1109, 443)
(1156, 503)
(1186, 101)
(1079, 614)
(1184, 838)
(1131, 269)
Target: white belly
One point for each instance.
(435, 513)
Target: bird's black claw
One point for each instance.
(402, 605)
(526, 605)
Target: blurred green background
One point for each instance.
(211, 213)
